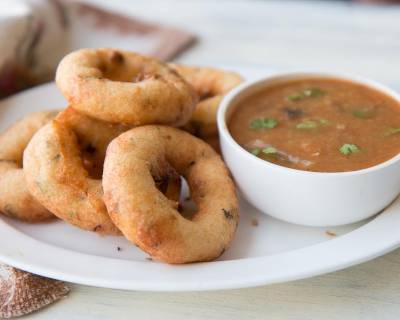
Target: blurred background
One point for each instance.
(359, 36)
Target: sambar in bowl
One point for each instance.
(313, 148)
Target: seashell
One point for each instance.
(22, 292)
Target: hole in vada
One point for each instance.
(206, 94)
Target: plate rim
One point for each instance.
(250, 272)
(78, 268)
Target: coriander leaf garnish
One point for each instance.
(313, 92)
(366, 113)
(324, 122)
(348, 148)
(295, 96)
(312, 124)
(307, 93)
(391, 131)
(255, 151)
(306, 125)
(269, 150)
(263, 123)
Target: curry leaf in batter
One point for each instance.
(263, 123)
(9, 210)
(348, 148)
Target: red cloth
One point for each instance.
(43, 31)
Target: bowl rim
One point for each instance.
(226, 103)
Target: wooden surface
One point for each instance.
(320, 35)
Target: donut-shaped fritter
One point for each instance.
(15, 199)
(146, 217)
(211, 85)
(213, 141)
(93, 137)
(63, 165)
(56, 174)
(125, 87)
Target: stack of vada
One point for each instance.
(112, 161)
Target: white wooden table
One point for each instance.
(320, 35)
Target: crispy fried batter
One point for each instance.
(15, 199)
(211, 85)
(125, 87)
(146, 217)
(63, 165)
(56, 174)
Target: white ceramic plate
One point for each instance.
(270, 252)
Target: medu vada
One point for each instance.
(213, 141)
(211, 85)
(15, 199)
(93, 137)
(144, 214)
(63, 166)
(125, 87)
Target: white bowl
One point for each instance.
(302, 197)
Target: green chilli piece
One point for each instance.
(391, 131)
(269, 150)
(307, 93)
(263, 123)
(41, 187)
(349, 148)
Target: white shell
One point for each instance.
(22, 292)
